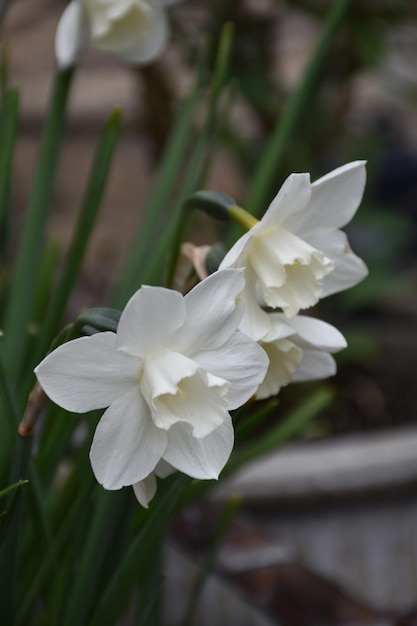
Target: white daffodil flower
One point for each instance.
(297, 254)
(299, 349)
(169, 376)
(134, 30)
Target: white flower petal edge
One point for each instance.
(72, 35)
(296, 250)
(243, 362)
(298, 350)
(214, 310)
(146, 488)
(126, 445)
(202, 458)
(167, 402)
(135, 30)
(334, 199)
(87, 373)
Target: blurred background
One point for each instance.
(327, 530)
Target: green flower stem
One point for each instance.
(8, 130)
(288, 121)
(113, 598)
(92, 201)
(107, 517)
(293, 425)
(248, 423)
(162, 189)
(242, 218)
(10, 561)
(50, 559)
(151, 587)
(19, 483)
(20, 302)
(34, 493)
(197, 166)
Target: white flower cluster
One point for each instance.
(177, 365)
(295, 255)
(133, 30)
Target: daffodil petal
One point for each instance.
(290, 200)
(334, 199)
(315, 333)
(315, 365)
(71, 35)
(87, 373)
(284, 357)
(164, 469)
(242, 362)
(237, 255)
(255, 323)
(150, 320)
(202, 458)
(149, 43)
(145, 490)
(126, 445)
(214, 311)
(349, 269)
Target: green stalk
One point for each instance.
(288, 121)
(8, 130)
(105, 519)
(173, 235)
(113, 599)
(89, 211)
(162, 190)
(10, 561)
(10, 488)
(247, 424)
(51, 557)
(21, 297)
(292, 425)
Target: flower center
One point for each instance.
(289, 269)
(177, 389)
(117, 24)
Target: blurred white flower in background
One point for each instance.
(169, 376)
(134, 30)
(297, 254)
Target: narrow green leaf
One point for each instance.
(106, 517)
(113, 599)
(292, 425)
(46, 567)
(20, 303)
(12, 487)
(92, 201)
(11, 557)
(162, 190)
(298, 103)
(8, 130)
(248, 423)
(172, 237)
